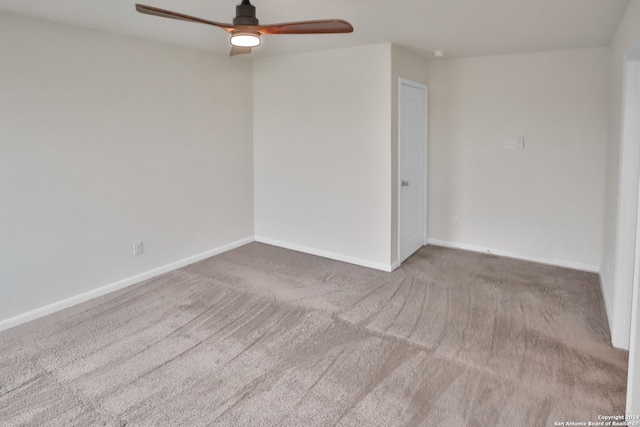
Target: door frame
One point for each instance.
(407, 82)
(631, 140)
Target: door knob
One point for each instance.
(405, 183)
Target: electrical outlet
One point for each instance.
(137, 248)
(456, 220)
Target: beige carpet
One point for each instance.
(262, 336)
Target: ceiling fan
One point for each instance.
(246, 31)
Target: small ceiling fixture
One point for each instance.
(438, 53)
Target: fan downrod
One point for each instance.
(245, 14)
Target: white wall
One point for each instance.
(322, 153)
(105, 140)
(617, 257)
(542, 203)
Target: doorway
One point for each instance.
(412, 167)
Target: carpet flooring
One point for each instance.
(263, 336)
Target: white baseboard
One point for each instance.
(86, 296)
(555, 262)
(326, 254)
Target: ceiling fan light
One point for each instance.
(245, 40)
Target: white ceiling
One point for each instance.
(459, 27)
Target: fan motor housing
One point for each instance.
(245, 14)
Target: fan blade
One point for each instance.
(150, 10)
(238, 50)
(323, 26)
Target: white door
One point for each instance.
(412, 158)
